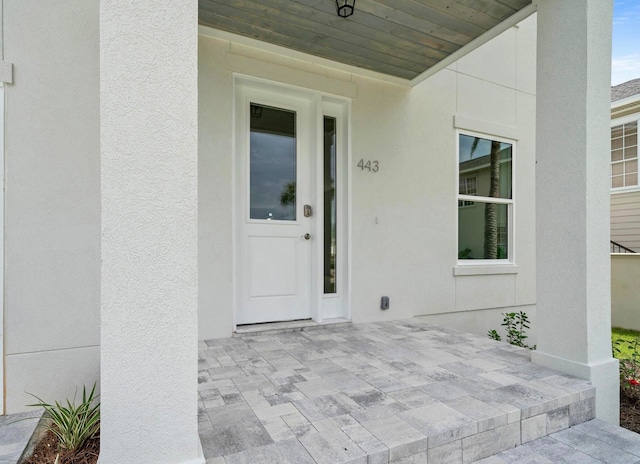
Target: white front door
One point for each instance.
(274, 144)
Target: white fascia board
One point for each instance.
(477, 43)
(626, 101)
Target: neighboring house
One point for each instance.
(625, 189)
(167, 182)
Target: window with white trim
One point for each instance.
(485, 232)
(624, 155)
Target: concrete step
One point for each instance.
(594, 441)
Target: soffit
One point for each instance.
(400, 38)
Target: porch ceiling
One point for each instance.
(401, 38)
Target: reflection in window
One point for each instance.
(272, 163)
(330, 213)
(485, 181)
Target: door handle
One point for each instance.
(307, 236)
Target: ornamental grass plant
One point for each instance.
(73, 424)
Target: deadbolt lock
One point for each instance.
(307, 211)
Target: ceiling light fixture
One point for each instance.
(345, 8)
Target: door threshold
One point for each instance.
(289, 326)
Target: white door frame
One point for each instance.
(322, 307)
(2, 236)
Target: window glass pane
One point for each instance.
(489, 162)
(272, 163)
(616, 155)
(616, 131)
(631, 140)
(617, 169)
(330, 212)
(631, 152)
(483, 231)
(616, 143)
(631, 128)
(630, 179)
(617, 181)
(631, 167)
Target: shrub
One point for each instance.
(72, 424)
(515, 325)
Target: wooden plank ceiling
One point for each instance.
(401, 38)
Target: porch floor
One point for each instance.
(401, 391)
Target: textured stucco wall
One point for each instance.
(573, 103)
(52, 199)
(404, 216)
(625, 291)
(149, 324)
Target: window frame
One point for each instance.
(487, 266)
(621, 122)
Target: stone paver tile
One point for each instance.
(286, 393)
(412, 397)
(299, 424)
(252, 382)
(377, 452)
(594, 448)
(387, 383)
(316, 388)
(275, 411)
(378, 411)
(616, 436)
(418, 458)
(278, 429)
(335, 422)
(557, 420)
(449, 453)
(284, 452)
(478, 446)
(582, 411)
(211, 398)
(401, 438)
(533, 428)
(557, 452)
(333, 447)
(440, 423)
(234, 428)
(369, 397)
(445, 390)
(487, 416)
(315, 409)
(255, 399)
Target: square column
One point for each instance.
(572, 195)
(149, 321)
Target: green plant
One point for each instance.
(628, 352)
(515, 325)
(465, 254)
(72, 424)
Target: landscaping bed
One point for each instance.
(46, 451)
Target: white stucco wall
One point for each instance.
(625, 292)
(52, 319)
(52, 199)
(403, 217)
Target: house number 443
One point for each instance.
(368, 165)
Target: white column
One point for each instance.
(572, 194)
(148, 110)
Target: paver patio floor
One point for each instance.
(400, 391)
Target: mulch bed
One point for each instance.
(47, 450)
(629, 412)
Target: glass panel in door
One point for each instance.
(272, 163)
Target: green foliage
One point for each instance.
(515, 325)
(72, 424)
(464, 254)
(626, 347)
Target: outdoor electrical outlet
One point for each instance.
(384, 302)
